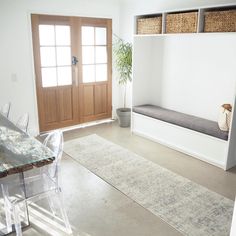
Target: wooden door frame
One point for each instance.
(75, 23)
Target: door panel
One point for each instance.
(54, 82)
(72, 57)
(66, 104)
(50, 110)
(88, 100)
(100, 99)
(96, 60)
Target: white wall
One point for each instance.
(130, 8)
(198, 73)
(190, 73)
(16, 57)
(147, 70)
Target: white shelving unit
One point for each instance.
(193, 73)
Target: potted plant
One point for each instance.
(123, 61)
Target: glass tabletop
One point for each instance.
(19, 151)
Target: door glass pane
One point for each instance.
(48, 56)
(101, 54)
(64, 75)
(88, 55)
(101, 73)
(46, 35)
(87, 35)
(101, 36)
(49, 77)
(63, 56)
(88, 73)
(62, 35)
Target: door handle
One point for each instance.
(74, 60)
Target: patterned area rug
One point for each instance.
(188, 207)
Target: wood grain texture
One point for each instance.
(100, 97)
(65, 99)
(70, 105)
(88, 98)
(50, 105)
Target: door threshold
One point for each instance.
(79, 126)
(87, 124)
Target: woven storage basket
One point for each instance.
(151, 25)
(182, 22)
(220, 21)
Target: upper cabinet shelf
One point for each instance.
(209, 20)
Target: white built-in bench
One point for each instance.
(198, 137)
(198, 124)
(193, 74)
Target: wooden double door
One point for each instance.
(72, 57)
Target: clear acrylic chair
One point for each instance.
(16, 214)
(5, 109)
(23, 122)
(45, 185)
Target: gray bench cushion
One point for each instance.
(187, 121)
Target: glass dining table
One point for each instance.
(19, 153)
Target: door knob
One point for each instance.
(74, 60)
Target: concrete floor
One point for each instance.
(95, 208)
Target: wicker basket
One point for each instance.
(220, 21)
(151, 25)
(182, 22)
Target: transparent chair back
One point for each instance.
(54, 142)
(47, 183)
(5, 109)
(23, 122)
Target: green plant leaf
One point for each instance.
(123, 61)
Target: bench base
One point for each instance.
(201, 146)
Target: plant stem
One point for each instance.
(125, 96)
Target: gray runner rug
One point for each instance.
(188, 207)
